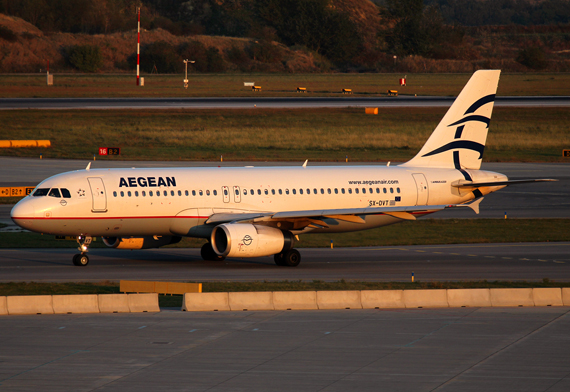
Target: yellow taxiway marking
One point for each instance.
(559, 262)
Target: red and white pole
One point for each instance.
(138, 44)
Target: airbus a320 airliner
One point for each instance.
(260, 211)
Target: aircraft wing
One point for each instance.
(315, 217)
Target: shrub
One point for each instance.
(265, 52)
(195, 50)
(533, 57)
(237, 55)
(86, 58)
(7, 34)
(215, 61)
(161, 55)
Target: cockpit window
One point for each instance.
(41, 192)
(65, 193)
(54, 192)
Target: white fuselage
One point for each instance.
(178, 201)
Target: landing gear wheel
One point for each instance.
(80, 260)
(291, 258)
(208, 254)
(279, 259)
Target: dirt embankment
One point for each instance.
(24, 48)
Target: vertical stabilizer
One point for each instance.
(459, 139)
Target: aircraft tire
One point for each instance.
(208, 254)
(80, 260)
(291, 258)
(279, 259)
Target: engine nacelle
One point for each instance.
(140, 242)
(247, 240)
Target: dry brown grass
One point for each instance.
(530, 134)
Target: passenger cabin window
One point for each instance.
(144, 193)
(267, 192)
(397, 190)
(186, 193)
(137, 193)
(294, 191)
(286, 191)
(300, 191)
(336, 191)
(259, 191)
(179, 193)
(342, 191)
(384, 189)
(171, 193)
(193, 193)
(308, 191)
(41, 192)
(54, 192)
(115, 193)
(129, 193)
(280, 192)
(329, 191)
(391, 190)
(356, 190)
(322, 191)
(350, 191)
(216, 192)
(150, 193)
(122, 194)
(207, 192)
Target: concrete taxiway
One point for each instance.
(510, 261)
(464, 349)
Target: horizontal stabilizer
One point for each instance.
(468, 184)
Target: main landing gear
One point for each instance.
(289, 258)
(81, 260)
(208, 254)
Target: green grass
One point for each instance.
(35, 288)
(529, 134)
(273, 85)
(421, 232)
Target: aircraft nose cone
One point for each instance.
(23, 214)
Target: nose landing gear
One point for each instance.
(81, 260)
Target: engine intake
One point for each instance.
(139, 242)
(247, 240)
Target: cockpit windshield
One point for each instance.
(53, 192)
(41, 192)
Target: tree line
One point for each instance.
(434, 29)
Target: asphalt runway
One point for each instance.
(465, 349)
(510, 261)
(262, 102)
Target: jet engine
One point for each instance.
(247, 240)
(140, 242)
